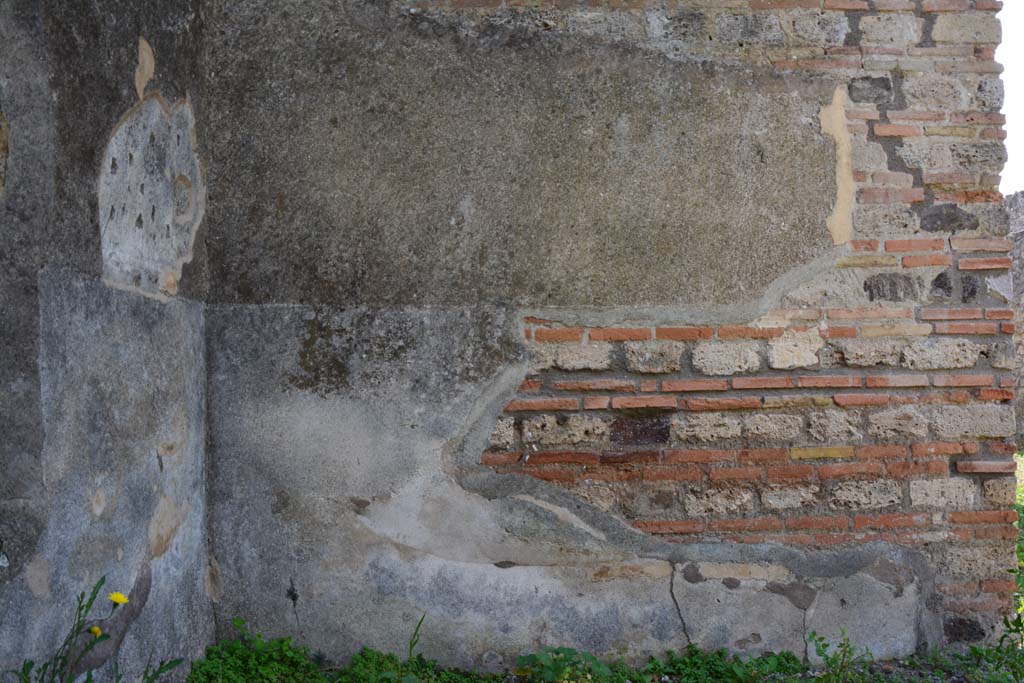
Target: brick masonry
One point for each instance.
(835, 420)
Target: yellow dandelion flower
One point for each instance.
(118, 598)
(96, 631)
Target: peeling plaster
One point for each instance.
(833, 123)
(147, 66)
(37, 576)
(163, 526)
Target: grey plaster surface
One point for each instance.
(123, 386)
(427, 162)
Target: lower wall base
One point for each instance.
(365, 501)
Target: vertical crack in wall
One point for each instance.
(675, 601)
(833, 123)
(4, 131)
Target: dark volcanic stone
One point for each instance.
(891, 287)
(640, 431)
(948, 218)
(868, 89)
(963, 630)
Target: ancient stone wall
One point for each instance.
(616, 325)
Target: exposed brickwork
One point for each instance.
(875, 404)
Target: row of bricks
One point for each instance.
(988, 182)
(731, 332)
(866, 63)
(898, 535)
(904, 537)
(834, 523)
(974, 587)
(672, 403)
(655, 472)
(903, 381)
(928, 6)
(961, 51)
(929, 449)
(934, 244)
(886, 195)
(962, 118)
(880, 5)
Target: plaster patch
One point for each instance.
(833, 123)
(146, 67)
(98, 502)
(164, 524)
(151, 197)
(744, 571)
(37, 576)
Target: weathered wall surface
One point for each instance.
(505, 160)
(79, 505)
(615, 325)
(123, 382)
(784, 386)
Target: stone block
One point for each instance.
(986, 157)
(654, 356)
(973, 421)
(835, 425)
(747, 29)
(772, 427)
(898, 424)
(504, 435)
(976, 561)
(706, 427)
(1001, 492)
(925, 153)
(727, 358)
(865, 353)
(884, 220)
(795, 349)
(865, 495)
(945, 494)
(967, 28)
(867, 156)
(893, 287)
(891, 30)
(1000, 355)
(577, 429)
(935, 92)
(948, 218)
(871, 89)
(817, 28)
(572, 357)
(647, 430)
(989, 94)
(942, 354)
(779, 497)
(717, 502)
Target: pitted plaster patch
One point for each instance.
(151, 197)
(833, 123)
